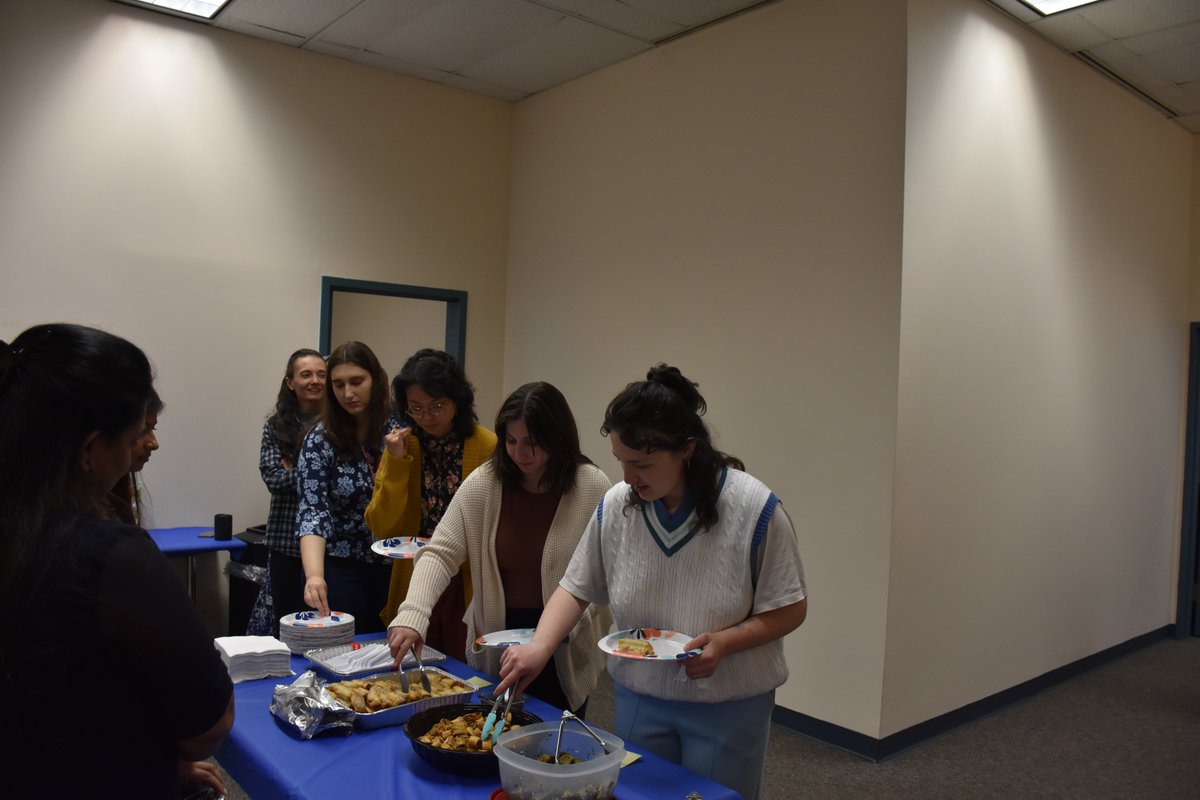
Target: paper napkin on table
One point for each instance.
(251, 657)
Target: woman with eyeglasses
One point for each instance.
(337, 466)
(422, 467)
(517, 520)
(689, 542)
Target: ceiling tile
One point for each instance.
(692, 12)
(455, 33)
(1177, 36)
(1070, 31)
(1179, 65)
(1181, 99)
(371, 20)
(566, 50)
(619, 16)
(286, 16)
(1190, 121)
(259, 32)
(479, 87)
(1122, 18)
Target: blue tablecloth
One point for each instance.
(189, 542)
(269, 764)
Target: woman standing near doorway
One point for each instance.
(337, 468)
(296, 408)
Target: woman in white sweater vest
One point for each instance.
(517, 520)
(691, 543)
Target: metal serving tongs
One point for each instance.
(421, 667)
(492, 720)
(558, 744)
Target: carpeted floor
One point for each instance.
(1128, 730)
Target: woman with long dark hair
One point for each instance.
(689, 543)
(301, 392)
(337, 466)
(424, 463)
(85, 595)
(517, 520)
(126, 502)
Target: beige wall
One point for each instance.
(393, 327)
(731, 204)
(1194, 294)
(934, 287)
(1046, 237)
(188, 187)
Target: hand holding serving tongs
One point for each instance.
(492, 720)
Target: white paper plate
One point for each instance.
(506, 638)
(398, 546)
(668, 645)
(310, 619)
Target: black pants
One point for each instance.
(287, 585)
(358, 588)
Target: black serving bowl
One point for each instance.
(458, 762)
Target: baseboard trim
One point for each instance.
(882, 749)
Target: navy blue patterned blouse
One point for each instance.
(334, 495)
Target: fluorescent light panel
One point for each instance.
(196, 9)
(1048, 7)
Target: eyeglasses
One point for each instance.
(436, 409)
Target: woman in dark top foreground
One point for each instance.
(111, 685)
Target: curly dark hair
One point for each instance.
(287, 426)
(438, 375)
(664, 412)
(544, 410)
(341, 429)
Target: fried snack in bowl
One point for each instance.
(450, 738)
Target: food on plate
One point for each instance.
(367, 695)
(634, 647)
(461, 733)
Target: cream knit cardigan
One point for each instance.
(467, 532)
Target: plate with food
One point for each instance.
(506, 638)
(399, 546)
(648, 644)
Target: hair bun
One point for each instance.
(671, 378)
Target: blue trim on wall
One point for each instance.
(882, 749)
(455, 300)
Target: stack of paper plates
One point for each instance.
(305, 630)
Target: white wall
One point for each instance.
(187, 188)
(1046, 235)
(731, 204)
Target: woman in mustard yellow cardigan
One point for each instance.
(422, 467)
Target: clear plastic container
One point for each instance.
(523, 777)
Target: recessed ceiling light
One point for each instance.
(191, 9)
(1048, 7)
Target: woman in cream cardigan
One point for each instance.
(517, 520)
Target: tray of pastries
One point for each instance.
(380, 700)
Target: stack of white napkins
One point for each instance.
(251, 657)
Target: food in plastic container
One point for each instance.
(524, 777)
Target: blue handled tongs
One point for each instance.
(506, 699)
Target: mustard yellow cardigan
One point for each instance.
(395, 507)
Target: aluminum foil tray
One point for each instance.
(400, 714)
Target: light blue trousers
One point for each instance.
(725, 742)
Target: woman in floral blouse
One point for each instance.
(423, 465)
(336, 469)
